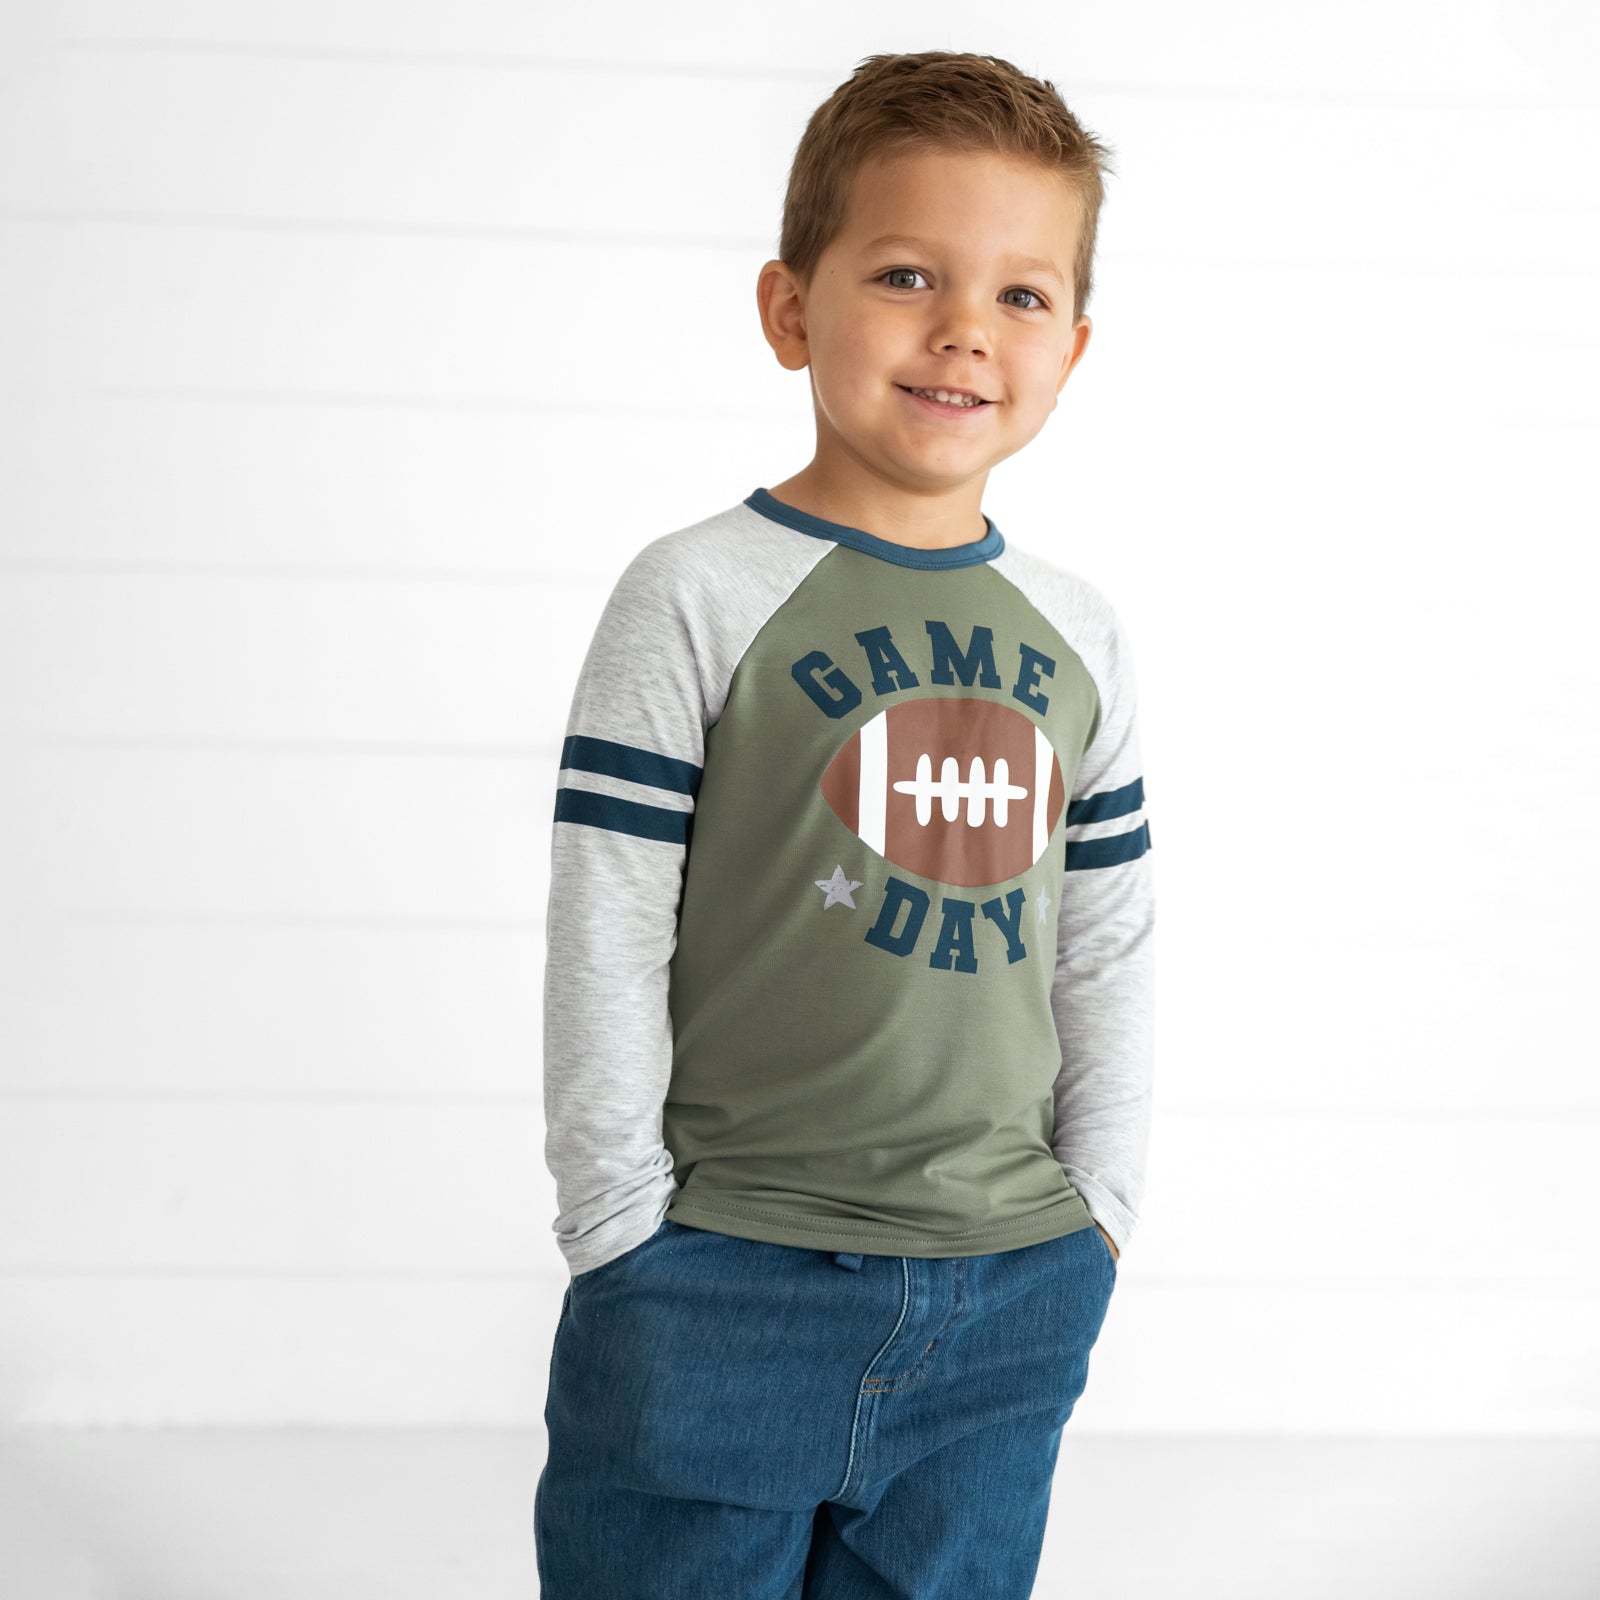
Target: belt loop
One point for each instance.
(844, 1258)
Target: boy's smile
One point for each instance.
(952, 273)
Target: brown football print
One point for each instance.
(961, 790)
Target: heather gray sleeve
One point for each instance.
(1102, 993)
(630, 766)
(655, 678)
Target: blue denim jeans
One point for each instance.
(735, 1420)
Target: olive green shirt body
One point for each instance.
(828, 1090)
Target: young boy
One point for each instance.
(848, 996)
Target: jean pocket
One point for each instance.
(1105, 1245)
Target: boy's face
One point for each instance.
(972, 304)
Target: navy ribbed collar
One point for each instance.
(960, 555)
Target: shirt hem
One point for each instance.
(871, 1238)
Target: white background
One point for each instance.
(349, 351)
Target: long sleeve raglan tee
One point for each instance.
(851, 911)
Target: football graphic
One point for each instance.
(963, 791)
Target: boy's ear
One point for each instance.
(1081, 330)
(783, 315)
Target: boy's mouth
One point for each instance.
(946, 399)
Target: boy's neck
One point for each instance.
(915, 521)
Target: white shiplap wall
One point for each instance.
(351, 350)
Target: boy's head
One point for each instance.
(992, 191)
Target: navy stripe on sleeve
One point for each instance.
(1108, 852)
(622, 816)
(629, 761)
(1109, 803)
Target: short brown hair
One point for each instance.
(936, 99)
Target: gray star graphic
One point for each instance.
(838, 888)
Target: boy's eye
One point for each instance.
(912, 272)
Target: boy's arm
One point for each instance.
(1102, 993)
(630, 768)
